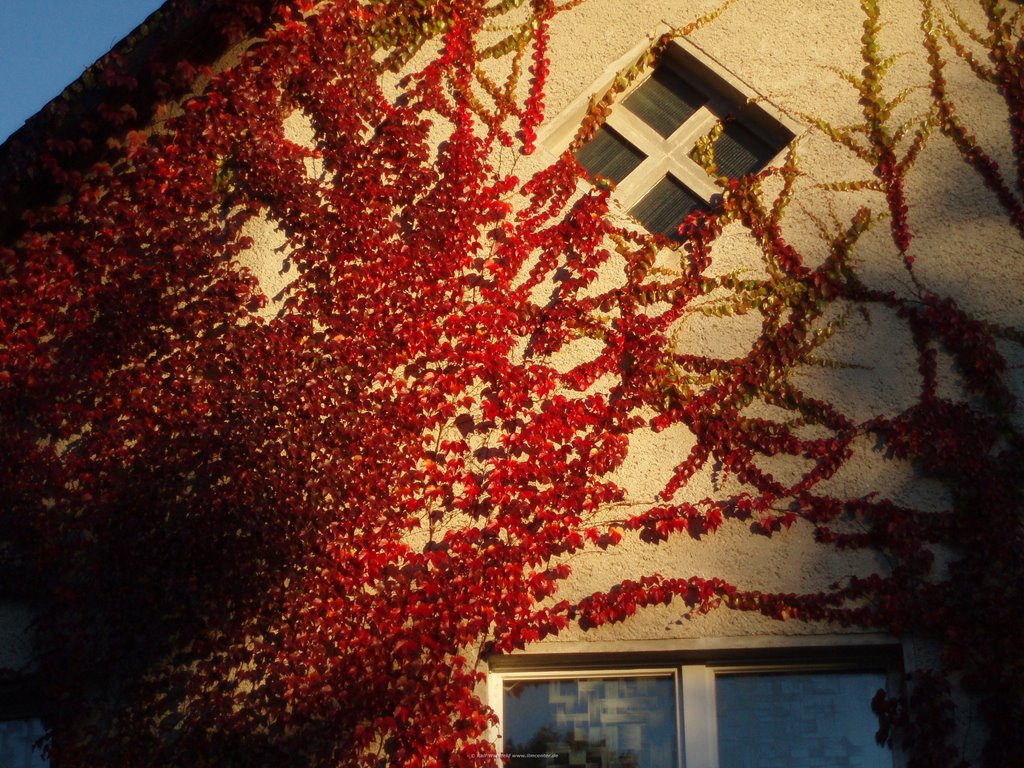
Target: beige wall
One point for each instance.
(785, 51)
(965, 248)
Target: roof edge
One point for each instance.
(139, 73)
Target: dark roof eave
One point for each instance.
(179, 30)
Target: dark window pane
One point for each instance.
(665, 101)
(625, 722)
(17, 744)
(799, 721)
(738, 151)
(609, 155)
(665, 207)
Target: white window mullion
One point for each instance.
(496, 700)
(637, 132)
(700, 722)
(686, 135)
(633, 188)
(693, 176)
(638, 183)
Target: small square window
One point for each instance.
(646, 145)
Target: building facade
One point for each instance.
(598, 384)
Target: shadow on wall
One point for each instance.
(215, 509)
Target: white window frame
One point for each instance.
(696, 706)
(496, 692)
(727, 95)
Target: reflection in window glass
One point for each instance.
(17, 744)
(623, 722)
(799, 721)
(739, 151)
(609, 155)
(665, 101)
(665, 207)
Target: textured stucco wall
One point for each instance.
(784, 51)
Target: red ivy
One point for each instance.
(285, 541)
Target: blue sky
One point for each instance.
(45, 45)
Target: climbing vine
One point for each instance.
(292, 537)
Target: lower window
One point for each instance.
(613, 722)
(692, 715)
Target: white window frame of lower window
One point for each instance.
(696, 706)
(496, 693)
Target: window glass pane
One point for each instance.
(663, 208)
(665, 101)
(799, 721)
(622, 722)
(17, 740)
(609, 155)
(738, 151)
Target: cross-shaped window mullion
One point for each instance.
(686, 135)
(653, 146)
(692, 175)
(663, 155)
(641, 181)
(681, 143)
